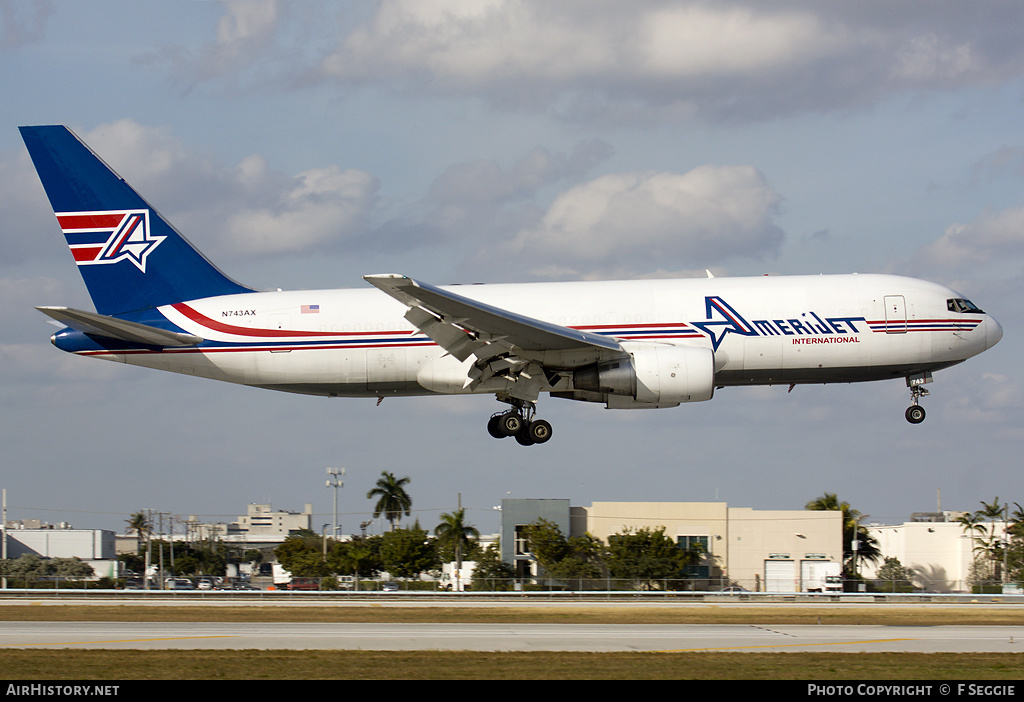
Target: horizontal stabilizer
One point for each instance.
(114, 328)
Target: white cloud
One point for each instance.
(515, 47)
(995, 236)
(697, 40)
(645, 221)
(322, 206)
(643, 61)
(658, 59)
(246, 210)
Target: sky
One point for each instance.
(302, 145)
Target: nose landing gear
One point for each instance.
(915, 413)
(520, 423)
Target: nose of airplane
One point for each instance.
(993, 332)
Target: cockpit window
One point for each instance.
(963, 306)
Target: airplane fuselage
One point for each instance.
(764, 330)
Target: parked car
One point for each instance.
(178, 584)
(389, 586)
(304, 584)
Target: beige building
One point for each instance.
(759, 550)
(261, 522)
(938, 553)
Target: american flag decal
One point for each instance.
(310, 309)
(97, 238)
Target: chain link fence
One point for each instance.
(720, 586)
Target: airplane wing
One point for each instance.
(114, 328)
(479, 318)
(504, 342)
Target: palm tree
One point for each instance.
(992, 547)
(454, 531)
(1016, 523)
(971, 524)
(139, 523)
(867, 547)
(393, 500)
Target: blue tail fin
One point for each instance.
(130, 257)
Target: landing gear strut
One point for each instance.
(520, 423)
(915, 413)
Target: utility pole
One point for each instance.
(1006, 544)
(458, 552)
(149, 550)
(3, 528)
(334, 481)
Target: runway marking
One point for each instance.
(113, 641)
(734, 648)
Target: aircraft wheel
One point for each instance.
(494, 428)
(915, 414)
(524, 437)
(510, 423)
(539, 430)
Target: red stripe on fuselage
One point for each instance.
(268, 333)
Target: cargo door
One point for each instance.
(895, 314)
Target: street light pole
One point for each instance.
(334, 481)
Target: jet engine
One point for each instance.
(653, 375)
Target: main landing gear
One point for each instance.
(915, 413)
(520, 423)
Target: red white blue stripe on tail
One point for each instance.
(100, 238)
(130, 257)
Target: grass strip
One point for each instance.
(465, 665)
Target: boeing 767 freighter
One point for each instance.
(625, 344)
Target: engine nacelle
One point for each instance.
(654, 375)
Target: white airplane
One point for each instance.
(625, 344)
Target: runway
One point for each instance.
(510, 637)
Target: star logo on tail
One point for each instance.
(97, 238)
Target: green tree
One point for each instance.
(574, 558)
(646, 555)
(492, 573)
(406, 553)
(894, 577)
(359, 557)
(547, 543)
(455, 536)
(867, 550)
(392, 499)
(302, 556)
(32, 567)
(202, 558)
